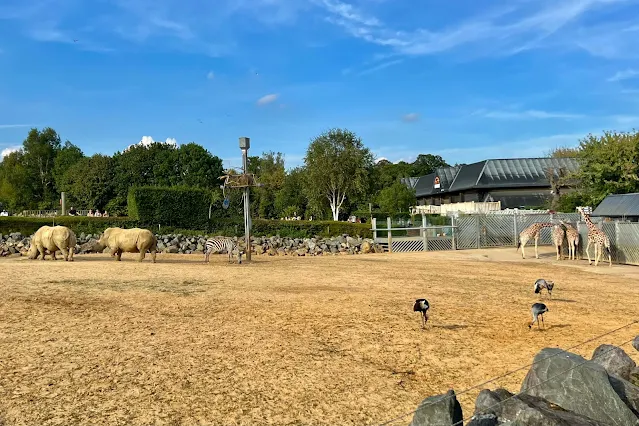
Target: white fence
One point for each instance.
(484, 231)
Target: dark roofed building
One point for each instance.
(516, 182)
(619, 206)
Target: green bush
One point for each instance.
(228, 227)
(79, 224)
(170, 206)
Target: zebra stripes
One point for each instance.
(221, 244)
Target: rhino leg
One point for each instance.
(41, 250)
(118, 255)
(153, 255)
(65, 253)
(71, 251)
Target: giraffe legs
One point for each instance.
(609, 258)
(536, 253)
(597, 254)
(588, 252)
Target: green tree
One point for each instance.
(609, 164)
(68, 155)
(563, 152)
(337, 165)
(269, 168)
(426, 164)
(16, 186)
(396, 198)
(90, 181)
(198, 167)
(290, 198)
(40, 150)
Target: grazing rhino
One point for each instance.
(133, 240)
(52, 239)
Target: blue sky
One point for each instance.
(465, 79)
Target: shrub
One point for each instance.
(78, 224)
(170, 206)
(227, 227)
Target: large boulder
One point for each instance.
(576, 384)
(441, 410)
(526, 410)
(628, 392)
(614, 360)
(484, 420)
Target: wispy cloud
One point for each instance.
(13, 126)
(410, 118)
(210, 75)
(512, 29)
(530, 114)
(624, 75)
(380, 67)
(267, 99)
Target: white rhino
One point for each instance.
(133, 240)
(52, 239)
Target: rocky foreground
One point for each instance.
(16, 244)
(560, 389)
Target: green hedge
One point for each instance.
(79, 224)
(170, 206)
(228, 227)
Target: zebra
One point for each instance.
(219, 244)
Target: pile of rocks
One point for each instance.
(561, 388)
(16, 243)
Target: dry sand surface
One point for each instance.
(286, 341)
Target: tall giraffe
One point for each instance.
(572, 235)
(531, 232)
(558, 234)
(597, 237)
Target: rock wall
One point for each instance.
(560, 389)
(16, 244)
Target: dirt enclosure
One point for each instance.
(286, 341)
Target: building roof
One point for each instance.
(493, 174)
(618, 205)
(426, 184)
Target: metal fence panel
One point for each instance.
(497, 230)
(628, 243)
(467, 232)
(406, 245)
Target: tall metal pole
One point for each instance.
(244, 146)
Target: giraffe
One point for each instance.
(597, 237)
(558, 239)
(572, 235)
(531, 232)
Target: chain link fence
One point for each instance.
(485, 231)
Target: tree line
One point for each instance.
(339, 177)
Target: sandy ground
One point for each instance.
(287, 341)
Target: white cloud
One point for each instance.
(267, 99)
(530, 114)
(148, 140)
(210, 75)
(411, 117)
(8, 151)
(624, 75)
(380, 66)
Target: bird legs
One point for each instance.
(537, 321)
(424, 319)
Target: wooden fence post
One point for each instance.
(374, 228)
(515, 229)
(424, 237)
(453, 243)
(389, 225)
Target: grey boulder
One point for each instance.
(440, 410)
(578, 385)
(614, 360)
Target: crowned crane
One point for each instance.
(538, 310)
(541, 284)
(422, 306)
